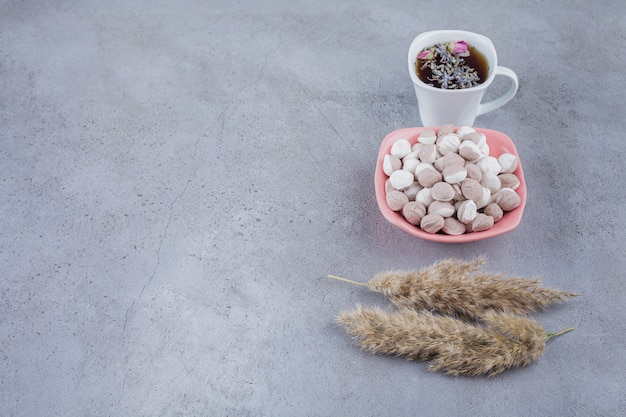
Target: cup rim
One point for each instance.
(451, 35)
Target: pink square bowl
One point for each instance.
(498, 142)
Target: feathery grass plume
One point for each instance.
(457, 288)
(449, 344)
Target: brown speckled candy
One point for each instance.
(472, 189)
(474, 172)
(454, 174)
(427, 154)
(469, 151)
(413, 212)
(447, 160)
(427, 137)
(508, 199)
(509, 181)
(494, 211)
(428, 176)
(482, 222)
(445, 129)
(442, 191)
(442, 208)
(452, 226)
(396, 200)
(478, 138)
(432, 223)
(458, 194)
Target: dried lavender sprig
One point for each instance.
(457, 288)
(448, 344)
(448, 68)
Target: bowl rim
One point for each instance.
(498, 142)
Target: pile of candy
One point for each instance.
(448, 183)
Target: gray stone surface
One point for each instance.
(179, 177)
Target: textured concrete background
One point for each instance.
(178, 177)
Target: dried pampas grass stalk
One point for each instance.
(457, 288)
(449, 344)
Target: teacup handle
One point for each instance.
(494, 104)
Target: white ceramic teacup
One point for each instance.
(458, 107)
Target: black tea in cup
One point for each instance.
(452, 65)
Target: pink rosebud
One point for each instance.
(458, 48)
(425, 54)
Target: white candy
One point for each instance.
(410, 165)
(390, 164)
(401, 179)
(491, 182)
(388, 186)
(486, 199)
(448, 143)
(400, 148)
(424, 196)
(508, 162)
(464, 130)
(466, 211)
(416, 147)
(484, 149)
(489, 164)
(412, 155)
(412, 190)
(422, 167)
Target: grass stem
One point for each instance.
(556, 334)
(347, 280)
